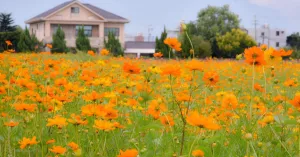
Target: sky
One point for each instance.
(155, 14)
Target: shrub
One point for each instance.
(25, 43)
(82, 42)
(113, 45)
(59, 42)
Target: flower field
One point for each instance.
(90, 105)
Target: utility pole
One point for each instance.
(150, 29)
(255, 26)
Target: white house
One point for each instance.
(139, 48)
(273, 37)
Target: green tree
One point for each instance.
(113, 45)
(59, 42)
(6, 23)
(234, 43)
(82, 42)
(160, 46)
(202, 48)
(293, 40)
(25, 43)
(35, 44)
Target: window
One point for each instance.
(262, 33)
(277, 33)
(74, 10)
(282, 32)
(277, 44)
(87, 30)
(115, 31)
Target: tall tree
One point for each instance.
(25, 43)
(82, 42)
(216, 20)
(234, 43)
(113, 45)
(59, 42)
(6, 23)
(160, 46)
(293, 40)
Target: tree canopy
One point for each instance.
(6, 23)
(82, 42)
(59, 42)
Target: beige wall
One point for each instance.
(68, 20)
(38, 29)
(121, 26)
(84, 14)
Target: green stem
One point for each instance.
(277, 137)
(170, 53)
(265, 80)
(187, 35)
(253, 149)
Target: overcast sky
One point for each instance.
(157, 13)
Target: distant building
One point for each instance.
(173, 33)
(139, 37)
(138, 49)
(273, 37)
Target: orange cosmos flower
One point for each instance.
(229, 101)
(110, 113)
(57, 121)
(73, 146)
(128, 153)
(59, 150)
(195, 119)
(296, 101)
(173, 43)
(284, 53)
(50, 141)
(8, 42)
(131, 68)
(104, 52)
(264, 47)
(91, 52)
(26, 141)
(258, 87)
(194, 65)
(2, 90)
(170, 69)
(167, 120)
(290, 83)
(254, 55)
(104, 125)
(157, 54)
(198, 153)
(49, 46)
(155, 109)
(92, 96)
(11, 124)
(76, 120)
(210, 78)
(25, 107)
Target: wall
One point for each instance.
(38, 29)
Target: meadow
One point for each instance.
(91, 105)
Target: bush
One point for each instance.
(25, 43)
(59, 42)
(82, 42)
(113, 45)
(14, 37)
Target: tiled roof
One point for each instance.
(139, 45)
(105, 14)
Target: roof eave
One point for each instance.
(118, 20)
(34, 20)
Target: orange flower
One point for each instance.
(170, 69)
(210, 78)
(131, 68)
(2, 90)
(129, 153)
(104, 52)
(167, 120)
(58, 150)
(264, 47)
(258, 87)
(49, 46)
(26, 141)
(76, 119)
(8, 43)
(155, 109)
(284, 53)
(92, 96)
(198, 153)
(57, 121)
(173, 43)
(50, 141)
(27, 107)
(194, 65)
(296, 101)
(157, 54)
(73, 146)
(254, 55)
(91, 52)
(195, 119)
(229, 101)
(290, 83)
(104, 125)
(11, 124)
